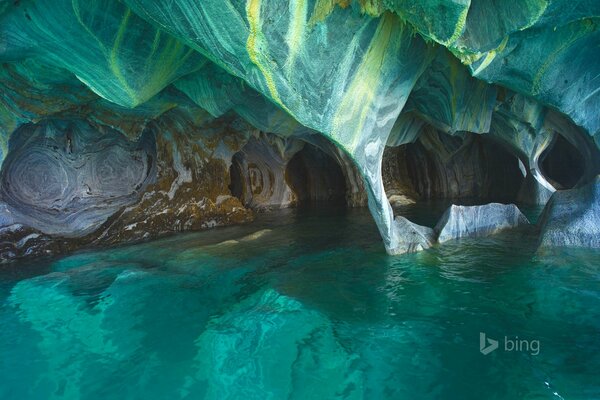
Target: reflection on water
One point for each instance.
(301, 305)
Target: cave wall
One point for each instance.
(271, 172)
(191, 190)
(68, 184)
(261, 166)
(347, 76)
(66, 177)
(72, 183)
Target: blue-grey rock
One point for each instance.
(6, 216)
(532, 191)
(67, 177)
(572, 218)
(360, 74)
(478, 221)
(412, 237)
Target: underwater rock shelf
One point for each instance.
(126, 120)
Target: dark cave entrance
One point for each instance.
(264, 179)
(236, 176)
(476, 169)
(562, 164)
(316, 178)
(467, 169)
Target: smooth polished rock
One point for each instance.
(261, 168)
(572, 218)
(412, 237)
(358, 73)
(478, 221)
(67, 177)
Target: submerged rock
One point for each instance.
(282, 337)
(572, 218)
(412, 237)
(477, 221)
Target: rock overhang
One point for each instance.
(350, 71)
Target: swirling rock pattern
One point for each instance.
(262, 164)
(361, 74)
(190, 191)
(354, 103)
(271, 172)
(68, 177)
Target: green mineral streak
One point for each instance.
(440, 20)
(344, 69)
(296, 32)
(114, 52)
(363, 89)
(257, 50)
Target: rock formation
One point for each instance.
(126, 120)
(572, 218)
(478, 221)
(414, 237)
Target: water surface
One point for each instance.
(302, 305)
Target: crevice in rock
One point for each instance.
(236, 177)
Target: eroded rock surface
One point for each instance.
(67, 177)
(478, 221)
(71, 184)
(414, 237)
(167, 92)
(572, 218)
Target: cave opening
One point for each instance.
(474, 170)
(302, 176)
(236, 176)
(316, 178)
(440, 169)
(562, 164)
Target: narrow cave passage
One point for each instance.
(316, 178)
(562, 164)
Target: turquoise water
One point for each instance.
(302, 306)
